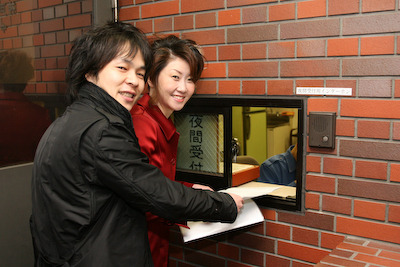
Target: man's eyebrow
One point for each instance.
(128, 61)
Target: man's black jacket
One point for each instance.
(92, 185)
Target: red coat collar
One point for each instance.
(166, 125)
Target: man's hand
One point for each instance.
(238, 200)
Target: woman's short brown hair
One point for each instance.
(164, 49)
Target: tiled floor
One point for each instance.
(357, 252)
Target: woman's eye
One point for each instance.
(121, 67)
(175, 77)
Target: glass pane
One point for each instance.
(201, 142)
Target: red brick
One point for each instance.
(369, 189)
(369, 24)
(229, 17)
(305, 236)
(278, 230)
(282, 12)
(269, 214)
(183, 22)
(229, 87)
(309, 83)
(52, 51)
(74, 8)
(312, 201)
(280, 87)
(390, 255)
(313, 163)
(281, 49)
(394, 213)
(337, 261)
(323, 104)
(320, 183)
(228, 251)
(254, 51)
(252, 241)
(204, 20)
(252, 257)
(51, 25)
(253, 69)
(309, 29)
(26, 29)
(232, 3)
(378, 5)
(309, 219)
(194, 5)
(345, 127)
(160, 9)
(51, 63)
(26, 17)
(395, 172)
(340, 7)
(311, 9)
(343, 47)
(216, 36)
(336, 204)
(256, 33)
(129, 13)
(78, 21)
(330, 240)
(210, 53)
(47, 3)
(310, 68)
(397, 87)
(145, 25)
(338, 166)
(371, 169)
(384, 232)
(377, 260)
(206, 87)
(50, 38)
(253, 87)
(297, 251)
(229, 52)
(389, 109)
(163, 25)
(53, 75)
(275, 260)
(213, 70)
(373, 129)
(369, 210)
(38, 40)
(311, 48)
(254, 14)
(377, 45)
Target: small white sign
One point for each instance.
(324, 91)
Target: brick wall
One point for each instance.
(44, 29)
(270, 47)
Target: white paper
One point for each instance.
(248, 215)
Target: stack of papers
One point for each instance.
(250, 214)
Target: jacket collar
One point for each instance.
(166, 125)
(101, 99)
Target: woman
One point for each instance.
(91, 184)
(177, 65)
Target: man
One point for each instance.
(91, 184)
